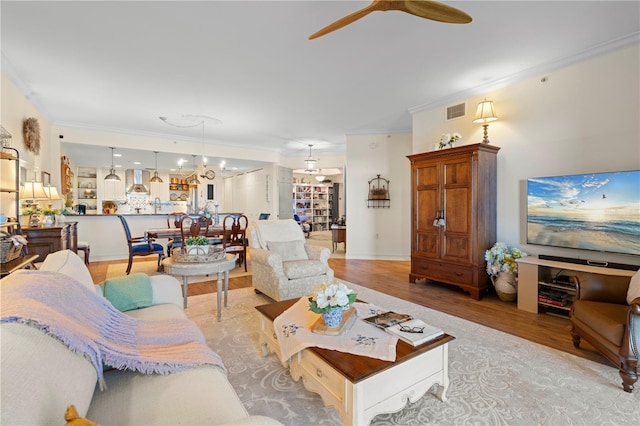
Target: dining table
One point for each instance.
(213, 231)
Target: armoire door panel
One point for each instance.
(457, 209)
(428, 244)
(427, 206)
(457, 173)
(427, 175)
(456, 247)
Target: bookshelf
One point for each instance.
(311, 204)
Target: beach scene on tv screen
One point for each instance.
(598, 212)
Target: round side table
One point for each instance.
(189, 269)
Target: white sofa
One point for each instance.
(40, 376)
(283, 265)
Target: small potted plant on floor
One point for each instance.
(197, 245)
(503, 269)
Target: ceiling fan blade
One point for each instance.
(343, 21)
(435, 11)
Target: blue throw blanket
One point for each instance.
(88, 324)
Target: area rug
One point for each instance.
(496, 378)
(150, 268)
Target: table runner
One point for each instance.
(293, 331)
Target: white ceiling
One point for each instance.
(120, 65)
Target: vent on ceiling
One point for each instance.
(456, 111)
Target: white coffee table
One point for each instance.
(189, 269)
(359, 387)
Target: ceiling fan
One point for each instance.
(427, 9)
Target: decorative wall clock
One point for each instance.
(31, 131)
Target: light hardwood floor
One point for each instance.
(392, 277)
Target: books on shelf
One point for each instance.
(405, 327)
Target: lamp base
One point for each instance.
(485, 139)
(34, 221)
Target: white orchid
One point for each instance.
(327, 297)
(449, 139)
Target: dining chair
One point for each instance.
(193, 226)
(141, 246)
(173, 221)
(234, 231)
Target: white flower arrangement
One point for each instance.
(328, 297)
(448, 139)
(502, 258)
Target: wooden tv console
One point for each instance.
(534, 272)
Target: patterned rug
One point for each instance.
(496, 378)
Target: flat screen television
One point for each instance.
(595, 211)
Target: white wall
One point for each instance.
(251, 193)
(378, 233)
(583, 119)
(14, 109)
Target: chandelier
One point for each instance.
(310, 162)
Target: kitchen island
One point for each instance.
(105, 234)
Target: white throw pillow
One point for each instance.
(634, 287)
(289, 250)
(68, 263)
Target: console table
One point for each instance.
(533, 272)
(42, 240)
(338, 235)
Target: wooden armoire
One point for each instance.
(453, 207)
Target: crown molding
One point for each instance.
(592, 52)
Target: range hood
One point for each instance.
(137, 181)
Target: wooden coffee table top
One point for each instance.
(356, 367)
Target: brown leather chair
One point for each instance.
(601, 315)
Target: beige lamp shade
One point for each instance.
(485, 112)
(52, 193)
(33, 191)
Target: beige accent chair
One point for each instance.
(284, 266)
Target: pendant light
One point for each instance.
(155, 177)
(193, 181)
(112, 176)
(310, 162)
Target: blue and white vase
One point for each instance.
(333, 317)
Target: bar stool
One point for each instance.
(84, 246)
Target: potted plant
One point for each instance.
(448, 139)
(330, 301)
(378, 193)
(197, 245)
(49, 215)
(503, 269)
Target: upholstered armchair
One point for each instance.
(606, 313)
(284, 266)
